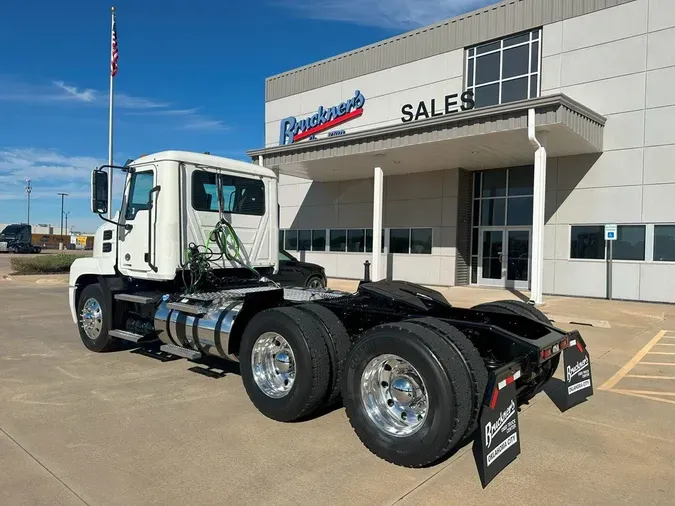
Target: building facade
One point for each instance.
(490, 149)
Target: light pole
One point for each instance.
(62, 196)
(66, 216)
(29, 188)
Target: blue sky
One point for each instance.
(189, 78)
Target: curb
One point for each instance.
(57, 279)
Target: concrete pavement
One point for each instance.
(125, 428)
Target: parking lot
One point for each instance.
(127, 428)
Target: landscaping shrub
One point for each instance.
(43, 264)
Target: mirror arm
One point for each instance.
(126, 226)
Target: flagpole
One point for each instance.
(110, 122)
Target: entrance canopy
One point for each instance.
(482, 138)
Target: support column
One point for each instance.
(538, 210)
(378, 195)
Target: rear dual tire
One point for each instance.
(424, 369)
(520, 308)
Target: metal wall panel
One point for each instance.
(463, 251)
(491, 22)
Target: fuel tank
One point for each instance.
(207, 331)
(204, 321)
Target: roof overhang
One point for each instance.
(482, 138)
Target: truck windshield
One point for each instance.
(12, 230)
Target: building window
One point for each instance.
(504, 71)
(664, 243)
(416, 241)
(630, 243)
(302, 240)
(291, 242)
(587, 242)
(420, 241)
(338, 240)
(399, 240)
(356, 240)
(318, 240)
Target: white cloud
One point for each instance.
(61, 92)
(50, 172)
(390, 14)
(83, 96)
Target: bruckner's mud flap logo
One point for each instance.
(499, 434)
(578, 379)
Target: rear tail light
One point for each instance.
(545, 354)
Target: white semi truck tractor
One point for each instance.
(185, 264)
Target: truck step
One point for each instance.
(180, 352)
(127, 336)
(193, 309)
(132, 297)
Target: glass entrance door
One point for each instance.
(518, 259)
(492, 271)
(505, 258)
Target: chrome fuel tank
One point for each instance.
(204, 321)
(208, 332)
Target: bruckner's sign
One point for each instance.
(294, 129)
(449, 105)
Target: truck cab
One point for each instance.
(17, 238)
(170, 202)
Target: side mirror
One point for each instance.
(99, 191)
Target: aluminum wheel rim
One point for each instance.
(273, 365)
(394, 395)
(92, 318)
(315, 283)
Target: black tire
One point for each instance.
(521, 308)
(313, 280)
(338, 343)
(312, 363)
(103, 342)
(473, 363)
(441, 368)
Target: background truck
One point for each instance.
(187, 262)
(17, 238)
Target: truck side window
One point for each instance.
(139, 193)
(241, 195)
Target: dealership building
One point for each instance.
(490, 149)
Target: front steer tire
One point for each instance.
(311, 362)
(447, 385)
(92, 296)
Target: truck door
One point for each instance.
(133, 255)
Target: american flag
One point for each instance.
(114, 55)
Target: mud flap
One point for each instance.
(499, 442)
(578, 379)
